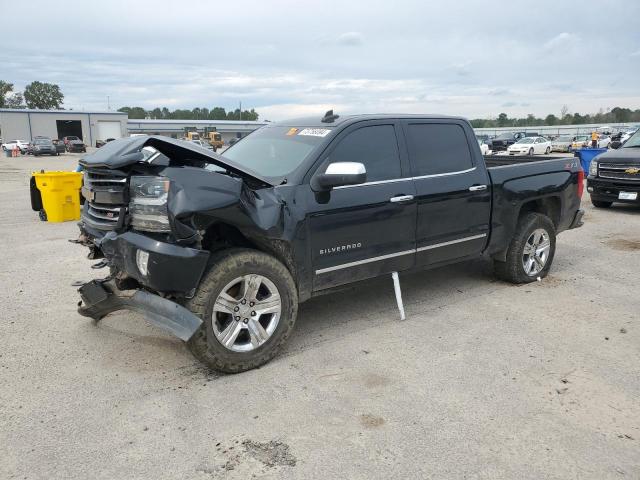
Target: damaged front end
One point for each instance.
(150, 202)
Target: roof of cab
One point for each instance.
(317, 120)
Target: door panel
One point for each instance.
(357, 231)
(452, 191)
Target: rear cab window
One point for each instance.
(437, 148)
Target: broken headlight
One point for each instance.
(148, 205)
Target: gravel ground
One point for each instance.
(484, 380)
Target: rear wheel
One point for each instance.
(531, 250)
(248, 303)
(601, 204)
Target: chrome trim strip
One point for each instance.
(397, 254)
(394, 180)
(448, 174)
(361, 262)
(451, 242)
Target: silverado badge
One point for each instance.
(632, 171)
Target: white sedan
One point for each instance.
(484, 148)
(22, 145)
(530, 146)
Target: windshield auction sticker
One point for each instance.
(292, 131)
(315, 132)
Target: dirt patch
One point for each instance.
(371, 421)
(624, 244)
(373, 380)
(271, 453)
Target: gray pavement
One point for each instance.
(484, 380)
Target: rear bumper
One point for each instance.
(170, 268)
(609, 190)
(101, 297)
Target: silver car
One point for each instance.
(562, 143)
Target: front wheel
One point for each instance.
(601, 204)
(531, 152)
(248, 303)
(548, 150)
(530, 252)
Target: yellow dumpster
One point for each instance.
(56, 195)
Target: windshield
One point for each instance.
(634, 141)
(563, 139)
(275, 151)
(526, 140)
(42, 141)
(581, 138)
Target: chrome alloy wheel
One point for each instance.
(536, 252)
(246, 313)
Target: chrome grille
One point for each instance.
(619, 171)
(105, 192)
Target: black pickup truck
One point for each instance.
(614, 176)
(220, 250)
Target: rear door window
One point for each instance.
(374, 146)
(436, 148)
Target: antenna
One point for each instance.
(329, 117)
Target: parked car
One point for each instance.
(75, 146)
(23, 145)
(484, 148)
(562, 143)
(530, 146)
(69, 138)
(504, 140)
(581, 141)
(102, 143)
(211, 248)
(44, 146)
(614, 176)
(59, 144)
(604, 141)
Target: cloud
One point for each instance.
(350, 39)
(560, 40)
(288, 62)
(636, 53)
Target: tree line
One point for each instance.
(41, 95)
(615, 115)
(216, 113)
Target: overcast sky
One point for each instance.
(286, 59)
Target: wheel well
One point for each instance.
(220, 236)
(549, 206)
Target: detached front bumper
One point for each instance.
(169, 268)
(101, 297)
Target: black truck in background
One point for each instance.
(506, 139)
(614, 176)
(220, 250)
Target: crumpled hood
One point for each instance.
(127, 151)
(624, 155)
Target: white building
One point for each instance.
(89, 126)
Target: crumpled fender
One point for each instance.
(198, 198)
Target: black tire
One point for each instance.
(547, 151)
(601, 204)
(531, 152)
(513, 269)
(225, 267)
(43, 215)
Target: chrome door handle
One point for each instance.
(477, 188)
(401, 198)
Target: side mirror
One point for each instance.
(339, 174)
(615, 144)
